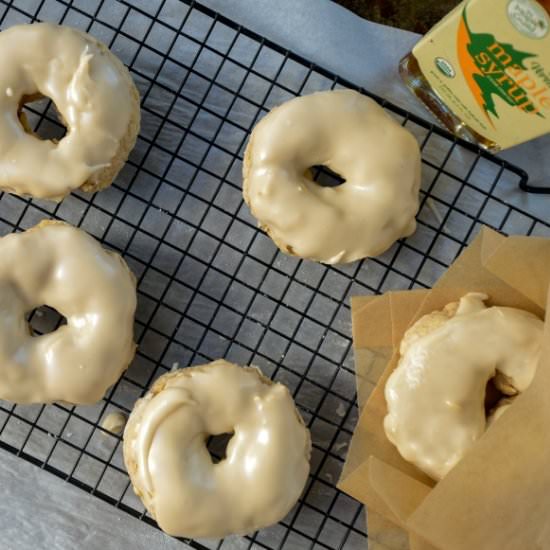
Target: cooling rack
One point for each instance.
(210, 283)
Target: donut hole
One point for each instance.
(325, 177)
(44, 320)
(493, 396)
(39, 117)
(217, 446)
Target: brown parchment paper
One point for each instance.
(498, 496)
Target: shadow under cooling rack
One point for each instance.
(210, 283)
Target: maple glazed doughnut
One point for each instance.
(58, 265)
(354, 137)
(267, 458)
(94, 96)
(436, 394)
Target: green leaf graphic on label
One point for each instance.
(493, 68)
(496, 82)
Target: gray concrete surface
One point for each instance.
(39, 511)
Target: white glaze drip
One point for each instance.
(267, 458)
(435, 396)
(92, 93)
(353, 136)
(58, 265)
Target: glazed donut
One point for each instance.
(63, 267)
(435, 396)
(94, 96)
(354, 137)
(267, 458)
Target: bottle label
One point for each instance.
(489, 61)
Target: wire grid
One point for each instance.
(210, 283)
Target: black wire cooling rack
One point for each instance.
(210, 283)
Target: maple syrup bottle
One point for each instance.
(484, 71)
